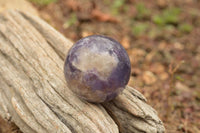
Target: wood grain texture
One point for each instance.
(34, 95)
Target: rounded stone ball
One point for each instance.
(97, 68)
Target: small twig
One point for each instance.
(172, 71)
(186, 123)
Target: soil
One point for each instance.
(162, 40)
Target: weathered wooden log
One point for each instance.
(34, 94)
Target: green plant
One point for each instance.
(42, 2)
(71, 21)
(179, 78)
(106, 2)
(168, 16)
(142, 11)
(185, 28)
(139, 29)
(154, 32)
(117, 4)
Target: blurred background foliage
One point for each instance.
(163, 43)
(162, 38)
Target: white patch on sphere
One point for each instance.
(103, 62)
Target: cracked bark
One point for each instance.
(34, 95)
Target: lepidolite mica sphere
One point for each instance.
(97, 68)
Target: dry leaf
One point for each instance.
(149, 78)
(86, 33)
(125, 42)
(72, 4)
(103, 17)
(163, 76)
(157, 68)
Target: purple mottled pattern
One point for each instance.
(97, 83)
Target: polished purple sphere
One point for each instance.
(97, 68)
